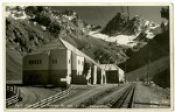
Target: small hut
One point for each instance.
(113, 73)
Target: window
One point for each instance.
(54, 61)
(38, 61)
(30, 61)
(78, 61)
(35, 61)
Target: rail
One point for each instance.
(14, 99)
(131, 102)
(11, 100)
(49, 100)
(152, 103)
(126, 100)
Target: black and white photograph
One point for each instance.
(88, 57)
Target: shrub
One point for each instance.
(54, 28)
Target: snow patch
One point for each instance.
(124, 40)
(128, 40)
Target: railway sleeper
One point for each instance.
(47, 101)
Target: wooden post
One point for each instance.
(95, 74)
(13, 88)
(101, 77)
(148, 60)
(125, 68)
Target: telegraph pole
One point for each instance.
(125, 67)
(122, 9)
(128, 12)
(148, 61)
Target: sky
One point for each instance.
(100, 15)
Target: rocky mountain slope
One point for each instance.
(131, 33)
(29, 28)
(154, 71)
(144, 41)
(13, 65)
(156, 49)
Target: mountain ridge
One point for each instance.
(29, 28)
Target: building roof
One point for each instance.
(62, 44)
(78, 52)
(38, 52)
(45, 49)
(109, 67)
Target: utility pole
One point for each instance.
(148, 61)
(125, 67)
(122, 9)
(128, 11)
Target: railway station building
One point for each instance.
(59, 63)
(85, 70)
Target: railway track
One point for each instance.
(121, 98)
(45, 102)
(14, 99)
(126, 100)
(97, 97)
(81, 99)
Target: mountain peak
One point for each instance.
(122, 25)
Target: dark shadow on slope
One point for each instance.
(163, 79)
(156, 48)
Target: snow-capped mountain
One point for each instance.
(144, 29)
(45, 25)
